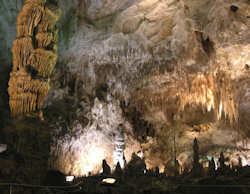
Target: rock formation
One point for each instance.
(83, 153)
(34, 56)
(213, 91)
(173, 68)
(119, 147)
(179, 64)
(106, 170)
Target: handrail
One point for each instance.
(219, 186)
(40, 186)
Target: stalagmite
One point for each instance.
(119, 148)
(34, 57)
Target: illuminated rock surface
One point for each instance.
(169, 71)
(84, 148)
(34, 57)
(174, 66)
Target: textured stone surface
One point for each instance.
(145, 54)
(148, 52)
(34, 57)
(84, 148)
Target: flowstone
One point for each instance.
(34, 57)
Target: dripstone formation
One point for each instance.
(34, 57)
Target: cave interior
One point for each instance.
(125, 96)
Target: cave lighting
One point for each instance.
(69, 178)
(3, 148)
(109, 181)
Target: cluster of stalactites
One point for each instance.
(213, 91)
(34, 56)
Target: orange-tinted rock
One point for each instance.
(34, 57)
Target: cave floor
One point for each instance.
(143, 184)
(150, 184)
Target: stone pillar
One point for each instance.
(119, 147)
(34, 56)
(196, 154)
(212, 167)
(196, 165)
(222, 161)
(106, 170)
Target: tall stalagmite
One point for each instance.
(34, 56)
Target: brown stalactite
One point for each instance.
(34, 57)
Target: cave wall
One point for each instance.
(147, 54)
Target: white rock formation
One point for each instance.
(79, 151)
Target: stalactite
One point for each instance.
(34, 57)
(213, 91)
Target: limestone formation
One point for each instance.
(34, 57)
(195, 154)
(214, 91)
(212, 167)
(222, 161)
(183, 65)
(93, 143)
(119, 147)
(106, 170)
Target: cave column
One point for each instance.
(34, 57)
(119, 147)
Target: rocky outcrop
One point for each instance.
(34, 56)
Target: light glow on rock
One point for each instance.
(92, 164)
(82, 154)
